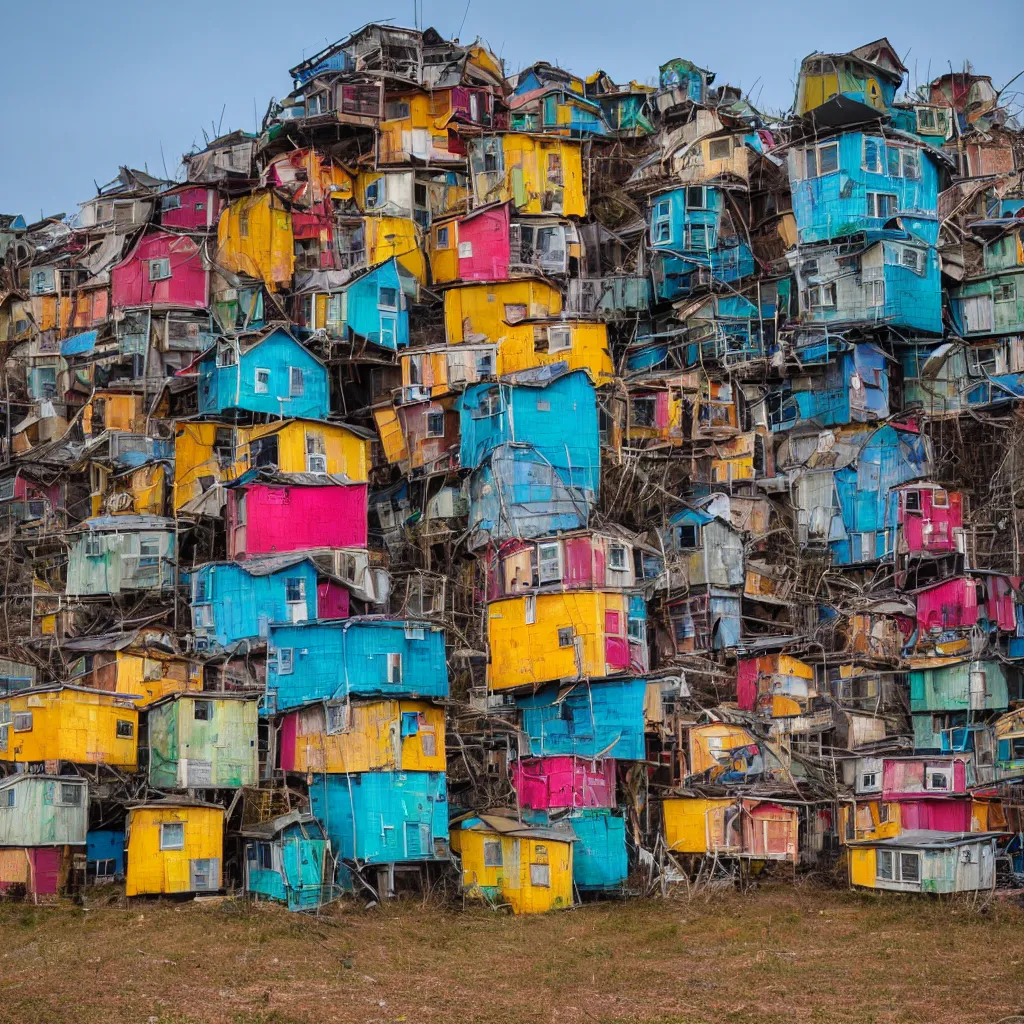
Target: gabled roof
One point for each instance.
(270, 829)
(503, 822)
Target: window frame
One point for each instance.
(296, 382)
(124, 729)
(546, 576)
(159, 263)
(166, 829)
(261, 380)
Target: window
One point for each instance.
(484, 364)
(514, 312)
(911, 165)
(926, 121)
(93, 545)
(172, 835)
(375, 194)
(910, 867)
(387, 298)
(396, 110)
(294, 589)
(262, 380)
(285, 661)
(936, 779)
(202, 710)
(912, 259)
(559, 339)
(226, 354)
(395, 668)
(940, 499)
(869, 780)
(316, 454)
(1005, 292)
(490, 404)
(159, 270)
(565, 636)
(170, 203)
(23, 721)
(617, 559)
(7, 799)
(697, 238)
(149, 552)
(720, 149)
(873, 153)
(492, 853)
(821, 296)
(435, 423)
(689, 535)
(555, 168)
(338, 718)
(881, 204)
(70, 795)
(263, 855)
(296, 381)
(442, 238)
(540, 875)
(828, 158)
(876, 293)
(549, 562)
(884, 865)
(205, 874)
(635, 627)
(125, 729)
(661, 229)
(912, 501)
(696, 197)
(810, 268)
(530, 610)
(644, 412)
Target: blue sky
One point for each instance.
(89, 86)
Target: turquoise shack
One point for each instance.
(288, 859)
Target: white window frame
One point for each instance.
(546, 576)
(169, 829)
(1009, 295)
(285, 661)
(529, 609)
(18, 721)
(301, 581)
(296, 381)
(614, 550)
(395, 668)
(493, 853)
(430, 431)
(261, 380)
(872, 204)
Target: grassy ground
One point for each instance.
(778, 955)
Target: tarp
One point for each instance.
(80, 344)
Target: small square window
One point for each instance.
(125, 729)
(387, 298)
(202, 710)
(549, 562)
(262, 381)
(435, 423)
(1005, 292)
(695, 198)
(940, 499)
(566, 635)
(93, 545)
(492, 853)
(883, 865)
(720, 149)
(172, 835)
(294, 589)
(618, 560)
(910, 867)
(540, 875)
(159, 270)
(285, 661)
(70, 795)
(828, 158)
(912, 501)
(23, 721)
(226, 355)
(869, 780)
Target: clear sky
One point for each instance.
(86, 87)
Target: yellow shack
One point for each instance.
(255, 238)
(699, 825)
(174, 847)
(506, 861)
(381, 735)
(69, 723)
(484, 312)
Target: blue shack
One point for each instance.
(357, 657)
(843, 383)
(104, 855)
(729, 330)
(866, 526)
(855, 182)
(694, 241)
(517, 493)
(549, 409)
(234, 601)
(599, 859)
(383, 817)
(372, 306)
(266, 372)
(288, 860)
(594, 718)
(889, 277)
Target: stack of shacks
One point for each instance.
(528, 482)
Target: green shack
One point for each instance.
(203, 741)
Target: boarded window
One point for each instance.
(540, 875)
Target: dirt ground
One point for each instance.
(777, 955)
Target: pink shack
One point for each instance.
(546, 783)
(915, 777)
(191, 208)
(163, 269)
(484, 244)
(294, 512)
(949, 605)
(930, 519)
